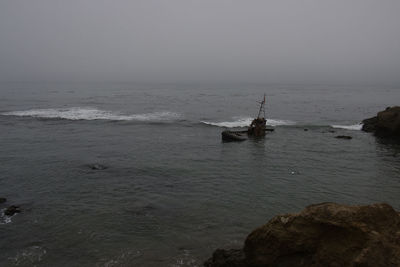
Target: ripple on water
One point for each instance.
(124, 259)
(29, 256)
(185, 259)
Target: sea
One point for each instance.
(171, 191)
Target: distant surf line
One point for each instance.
(90, 113)
(79, 113)
(245, 121)
(354, 127)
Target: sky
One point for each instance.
(282, 41)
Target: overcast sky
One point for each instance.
(205, 40)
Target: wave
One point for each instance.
(244, 122)
(82, 113)
(354, 127)
(78, 113)
(4, 219)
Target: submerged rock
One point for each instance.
(2, 200)
(10, 211)
(226, 258)
(386, 123)
(325, 234)
(343, 137)
(97, 167)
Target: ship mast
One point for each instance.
(262, 108)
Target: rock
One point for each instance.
(2, 200)
(226, 258)
(369, 125)
(10, 211)
(97, 167)
(343, 137)
(325, 234)
(305, 129)
(386, 123)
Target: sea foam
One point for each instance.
(244, 122)
(4, 219)
(78, 113)
(354, 127)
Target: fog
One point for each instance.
(200, 41)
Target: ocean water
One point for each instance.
(173, 192)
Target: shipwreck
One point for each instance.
(257, 128)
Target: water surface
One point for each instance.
(173, 191)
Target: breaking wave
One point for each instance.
(4, 219)
(355, 127)
(81, 113)
(77, 113)
(243, 122)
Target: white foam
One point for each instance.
(354, 127)
(78, 113)
(273, 122)
(244, 122)
(4, 219)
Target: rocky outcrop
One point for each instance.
(344, 137)
(10, 211)
(386, 123)
(227, 258)
(325, 234)
(97, 167)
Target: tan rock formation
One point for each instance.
(325, 234)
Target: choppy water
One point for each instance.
(173, 192)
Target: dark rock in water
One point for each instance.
(305, 130)
(369, 125)
(238, 136)
(325, 234)
(386, 123)
(2, 200)
(226, 258)
(97, 167)
(343, 137)
(10, 211)
(332, 131)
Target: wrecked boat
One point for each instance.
(234, 135)
(257, 128)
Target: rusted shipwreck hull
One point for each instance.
(238, 136)
(257, 128)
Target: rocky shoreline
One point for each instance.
(326, 234)
(385, 124)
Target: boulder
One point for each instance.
(2, 200)
(344, 137)
(97, 167)
(10, 211)
(325, 234)
(226, 258)
(386, 123)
